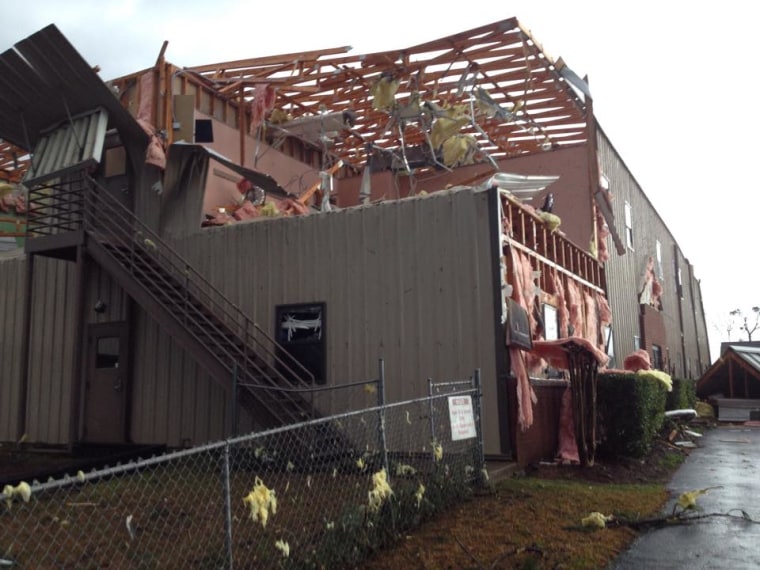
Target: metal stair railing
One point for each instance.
(55, 208)
(246, 350)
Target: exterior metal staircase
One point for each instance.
(237, 353)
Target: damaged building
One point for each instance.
(194, 238)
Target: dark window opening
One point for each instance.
(657, 357)
(300, 334)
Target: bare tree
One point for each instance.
(747, 323)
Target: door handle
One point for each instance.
(118, 386)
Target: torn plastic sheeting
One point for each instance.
(520, 182)
(291, 324)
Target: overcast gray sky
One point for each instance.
(673, 86)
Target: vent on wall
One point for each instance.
(204, 131)
(518, 327)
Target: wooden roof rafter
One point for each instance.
(502, 58)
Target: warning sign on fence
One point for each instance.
(462, 418)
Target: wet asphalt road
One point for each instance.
(728, 457)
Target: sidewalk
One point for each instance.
(728, 457)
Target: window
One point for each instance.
(107, 355)
(636, 343)
(608, 342)
(300, 333)
(680, 283)
(628, 225)
(609, 345)
(656, 357)
(660, 273)
(551, 324)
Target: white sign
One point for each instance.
(462, 418)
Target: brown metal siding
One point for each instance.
(173, 401)
(624, 272)
(52, 344)
(410, 281)
(12, 295)
(540, 442)
(100, 287)
(696, 344)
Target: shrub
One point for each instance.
(684, 394)
(631, 411)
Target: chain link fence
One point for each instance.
(322, 494)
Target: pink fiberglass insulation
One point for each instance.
(246, 211)
(523, 288)
(555, 352)
(603, 231)
(638, 360)
(263, 102)
(605, 313)
(145, 98)
(526, 397)
(155, 154)
(567, 447)
(575, 306)
(651, 288)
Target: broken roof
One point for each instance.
(13, 162)
(45, 80)
(522, 100)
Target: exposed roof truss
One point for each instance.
(514, 98)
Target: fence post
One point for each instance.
(480, 462)
(227, 506)
(431, 416)
(233, 401)
(381, 415)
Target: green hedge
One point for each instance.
(630, 413)
(684, 394)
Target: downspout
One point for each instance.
(593, 165)
(679, 292)
(80, 343)
(25, 350)
(696, 328)
(500, 350)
